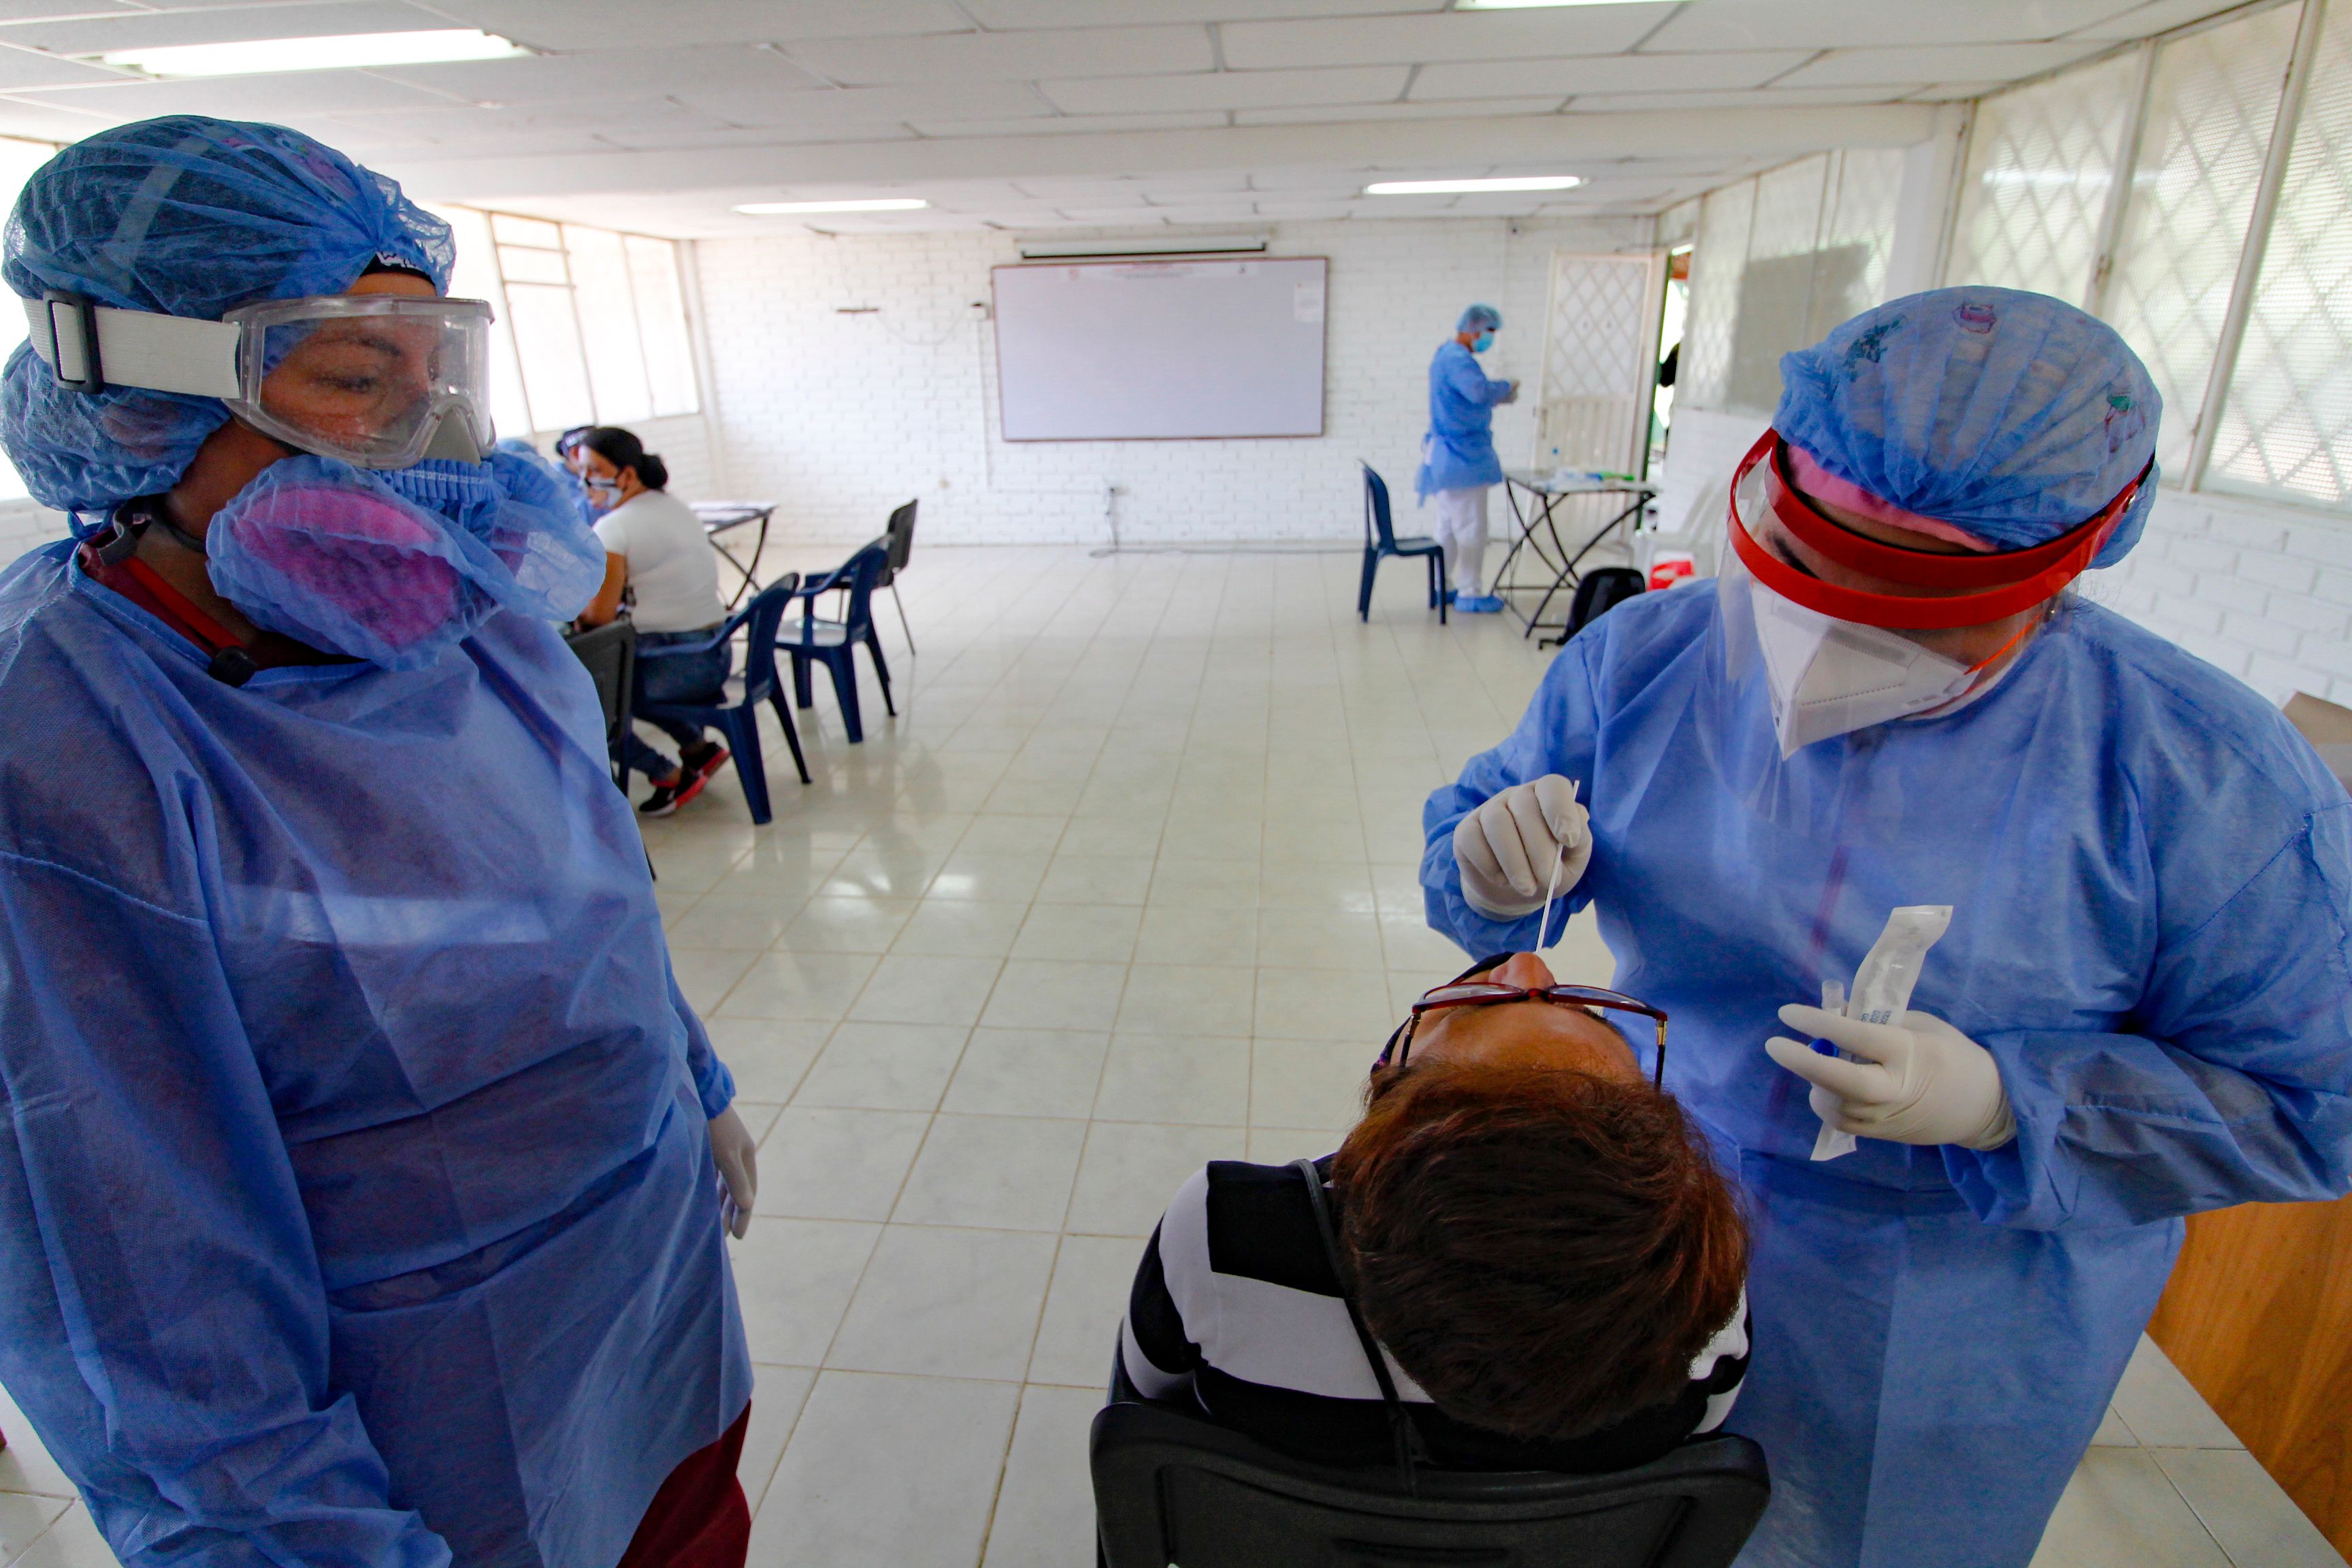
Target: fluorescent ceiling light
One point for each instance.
(341, 52)
(1455, 188)
(872, 205)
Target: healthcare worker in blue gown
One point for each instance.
(1458, 464)
(2142, 1007)
(359, 1192)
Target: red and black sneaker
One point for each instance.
(666, 798)
(705, 759)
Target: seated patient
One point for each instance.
(1536, 1236)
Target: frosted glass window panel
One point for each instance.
(477, 278)
(2211, 106)
(1678, 224)
(607, 304)
(2040, 167)
(1597, 366)
(524, 264)
(1857, 233)
(1717, 262)
(538, 232)
(2286, 429)
(661, 325)
(1776, 287)
(554, 370)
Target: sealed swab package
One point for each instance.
(1882, 990)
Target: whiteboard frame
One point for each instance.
(1323, 385)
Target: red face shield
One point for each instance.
(1989, 587)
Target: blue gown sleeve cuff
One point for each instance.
(713, 1084)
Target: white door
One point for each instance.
(1600, 340)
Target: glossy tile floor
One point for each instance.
(1128, 885)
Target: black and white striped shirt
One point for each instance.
(1235, 1306)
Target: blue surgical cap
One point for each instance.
(189, 216)
(1478, 316)
(2013, 415)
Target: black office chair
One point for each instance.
(898, 539)
(1603, 590)
(1172, 1488)
(610, 652)
(1381, 541)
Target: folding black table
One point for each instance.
(720, 517)
(1555, 565)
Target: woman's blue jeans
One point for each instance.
(675, 678)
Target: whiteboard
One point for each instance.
(1145, 351)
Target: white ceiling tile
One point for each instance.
(1452, 108)
(1847, 24)
(656, 138)
(1756, 98)
(1106, 13)
(52, 120)
(1449, 35)
(1954, 91)
(1302, 211)
(554, 78)
(242, 97)
(1613, 73)
(632, 23)
(1073, 124)
(95, 35)
(29, 68)
(1228, 90)
(1023, 57)
(749, 104)
(2139, 21)
(1125, 217)
(1988, 62)
(49, 10)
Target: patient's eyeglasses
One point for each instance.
(1468, 990)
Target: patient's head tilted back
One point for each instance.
(1545, 1250)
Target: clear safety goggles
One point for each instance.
(380, 380)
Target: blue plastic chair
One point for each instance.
(1381, 540)
(738, 717)
(836, 643)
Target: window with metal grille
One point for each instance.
(2040, 167)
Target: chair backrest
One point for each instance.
(609, 651)
(899, 536)
(1377, 528)
(1175, 1488)
(758, 621)
(861, 574)
(1603, 590)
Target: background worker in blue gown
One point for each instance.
(2141, 1007)
(1457, 455)
(360, 1191)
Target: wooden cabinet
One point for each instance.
(2259, 1318)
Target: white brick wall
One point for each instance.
(841, 418)
(2264, 591)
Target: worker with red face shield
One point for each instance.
(2113, 882)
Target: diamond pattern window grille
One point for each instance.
(1717, 261)
(1596, 369)
(2040, 165)
(1857, 233)
(2286, 429)
(2212, 102)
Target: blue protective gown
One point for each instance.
(1458, 453)
(356, 1201)
(2149, 873)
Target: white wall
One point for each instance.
(840, 417)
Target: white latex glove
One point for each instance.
(1507, 846)
(1922, 1082)
(738, 1156)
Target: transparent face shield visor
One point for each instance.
(379, 381)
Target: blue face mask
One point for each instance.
(395, 566)
(1482, 343)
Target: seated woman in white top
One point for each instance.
(1533, 1235)
(655, 549)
